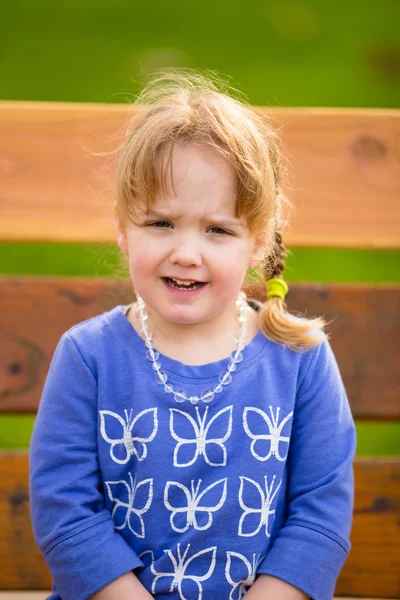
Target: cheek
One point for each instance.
(142, 260)
(230, 272)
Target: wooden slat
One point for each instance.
(22, 565)
(24, 595)
(372, 569)
(345, 181)
(373, 566)
(35, 312)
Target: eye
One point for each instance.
(219, 231)
(160, 224)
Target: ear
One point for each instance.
(121, 241)
(121, 234)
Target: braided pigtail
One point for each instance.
(274, 321)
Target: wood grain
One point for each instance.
(22, 565)
(372, 569)
(24, 595)
(34, 312)
(373, 566)
(57, 165)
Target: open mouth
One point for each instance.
(183, 285)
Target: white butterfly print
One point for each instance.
(126, 443)
(185, 571)
(263, 511)
(274, 435)
(129, 513)
(235, 562)
(203, 440)
(195, 503)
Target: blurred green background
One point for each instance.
(277, 53)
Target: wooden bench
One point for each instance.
(345, 167)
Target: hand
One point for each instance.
(266, 587)
(125, 587)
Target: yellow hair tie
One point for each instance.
(277, 287)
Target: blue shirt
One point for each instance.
(196, 499)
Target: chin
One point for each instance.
(181, 319)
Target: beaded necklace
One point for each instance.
(225, 377)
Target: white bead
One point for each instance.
(180, 396)
(168, 388)
(232, 367)
(207, 396)
(194, 399)
(152, 354)
(218, 389)
(237, 356)
(156, 365)
(161, 377)
(225, 378)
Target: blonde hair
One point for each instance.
(186, 106)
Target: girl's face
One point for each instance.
(191, 237)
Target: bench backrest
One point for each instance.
(345, 188)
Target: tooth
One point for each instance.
(183, 282)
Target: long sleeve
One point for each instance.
(73, 530)
(310, 549)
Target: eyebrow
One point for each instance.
(214, 219)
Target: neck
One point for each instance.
(190, 344)
(224, 325)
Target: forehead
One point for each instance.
(196, 178)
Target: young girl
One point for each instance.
(195, 444)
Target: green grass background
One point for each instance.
(278, 53)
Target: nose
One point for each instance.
(186, 252)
